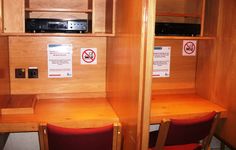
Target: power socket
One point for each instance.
(19, 73)
(33, 72)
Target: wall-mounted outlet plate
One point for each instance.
(33, 72)
(19, 73)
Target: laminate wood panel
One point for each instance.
(1, 16)
(178, 7)
(4, 71)
(58, 15)
(182, 71)
(74, 113)
(125, 69)
(14, 16)
(72, 4)
(32, 52)
(19, 104)
(99, 16)
(205, 73)
(225, 81)
(110, 16)
(181, 106)
(211, 18)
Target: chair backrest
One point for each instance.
(187, 131)
(59, 138)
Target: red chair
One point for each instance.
(59, 138)
(187, 134)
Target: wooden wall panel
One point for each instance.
(32, 52)
(178, 6)
(205, 76)
(4, 71)
(58, 15)
(1, 16)
(225, 81)
(125, 69)
(211, 17)
(99, 16)
(110, 16)
(182, 71)
(72, 4)
(14, 16)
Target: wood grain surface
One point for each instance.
(19, 104)
(181, 106)
(64, 112)
(4, 71)
(182, 70)
(32, 52)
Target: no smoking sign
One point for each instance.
(189, 47)
(88, 56)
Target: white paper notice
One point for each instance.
(161, 61)
(59, 60)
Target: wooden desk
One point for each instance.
(181, 106)
(66, 112)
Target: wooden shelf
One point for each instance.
(58, 10)
(169, 14)
(60, 34)
(185, 37)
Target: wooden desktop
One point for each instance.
(74, 112)
(181, 106)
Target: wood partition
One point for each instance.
(225, 81)
(1, 23)
(127, 69)
(86, 81)
(4, 71)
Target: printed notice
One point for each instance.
(59, 60)
(161, 62)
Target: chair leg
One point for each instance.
(116, 136)
(222, 146)
(43, 139)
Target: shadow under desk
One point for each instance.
(76, 112)
(181, 106)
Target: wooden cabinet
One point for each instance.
(99, 13)
(188, 11)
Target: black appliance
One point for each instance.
(177, 29)
(56, 25)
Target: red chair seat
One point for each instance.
(184, 147)
(60, 138)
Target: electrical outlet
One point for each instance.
(33, 72)
(19, 73)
